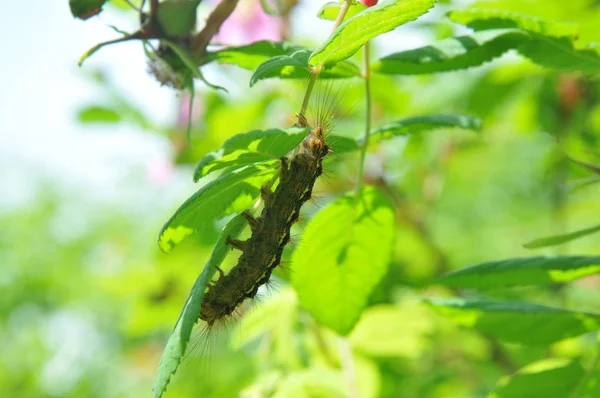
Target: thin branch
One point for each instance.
(348, 367)
(365, 145)
(153, 7)
(218, 16)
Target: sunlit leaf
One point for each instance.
(485, 19)
(84, 9)
(452, 54)
(554, 377)
(254, 147)
(252, 55)
(98, 114)
(560, 239)
(523, 271)
(295, 66)
(331, 10)
(178, 341)
(343, 254)
(231, 192)
(517, 322)
(353, 33)
(419, 124)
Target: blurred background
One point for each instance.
(94, 160)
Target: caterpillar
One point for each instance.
(261, 253)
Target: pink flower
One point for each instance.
(249, 23)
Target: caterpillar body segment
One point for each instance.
(261, 253)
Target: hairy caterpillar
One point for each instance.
(261, 253)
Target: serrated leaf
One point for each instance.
(419, 124)
(452, 54)
(560, 239)
(295, 66)
(353, 33)
(517, 322)
(485, 19)
(343, 254)
(551, 44)
(254, 147)
(330, 10)
(230, 193)
(178, 341)
(554, 377)
(523, 271)
(98, 114)
(252, 55)
(177, 17)
(84, 9)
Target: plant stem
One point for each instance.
(317, 69)
(365, 144)
(348, 367)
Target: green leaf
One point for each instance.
(254, 147)
(419, 124)
(555, 377)
(343, 254)
(84, 9)
(551, 44)
(98, 114)
(331, 10)
(452, 54)
(517, 322)
(295, 66)
(340, 144)
(252, 55)
(485, 19)
(231, 192)
(356, 31)
(523, 271)
(560, 239)
(177, 17)
(178, 341)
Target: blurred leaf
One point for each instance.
(295, 66)
(516, 322)
(485, 19)
(555, 377)
(331, 10)
(452, 54)
(98, 114)
(178, 341)
(561, 54)
(84, 9)
(523, 271)
(230, 193)
(254, 147)
(419, 124)
(340, 144)
(343, 254)
(350, 36)
(177, 17)
(389, 330)
(252, 55)
(560, 239)
(312, 382)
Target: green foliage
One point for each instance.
(177, 17)
(252, 55)
(524, 271)
(295, 66)
(331, 10)
(353, 33)
(84, 9)
(99, 114)
(227, 194)
(454, 53)
(179, 339)
(517, 322)
(560, 239)
(330, 272)
(420, 124)
(250, 148)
